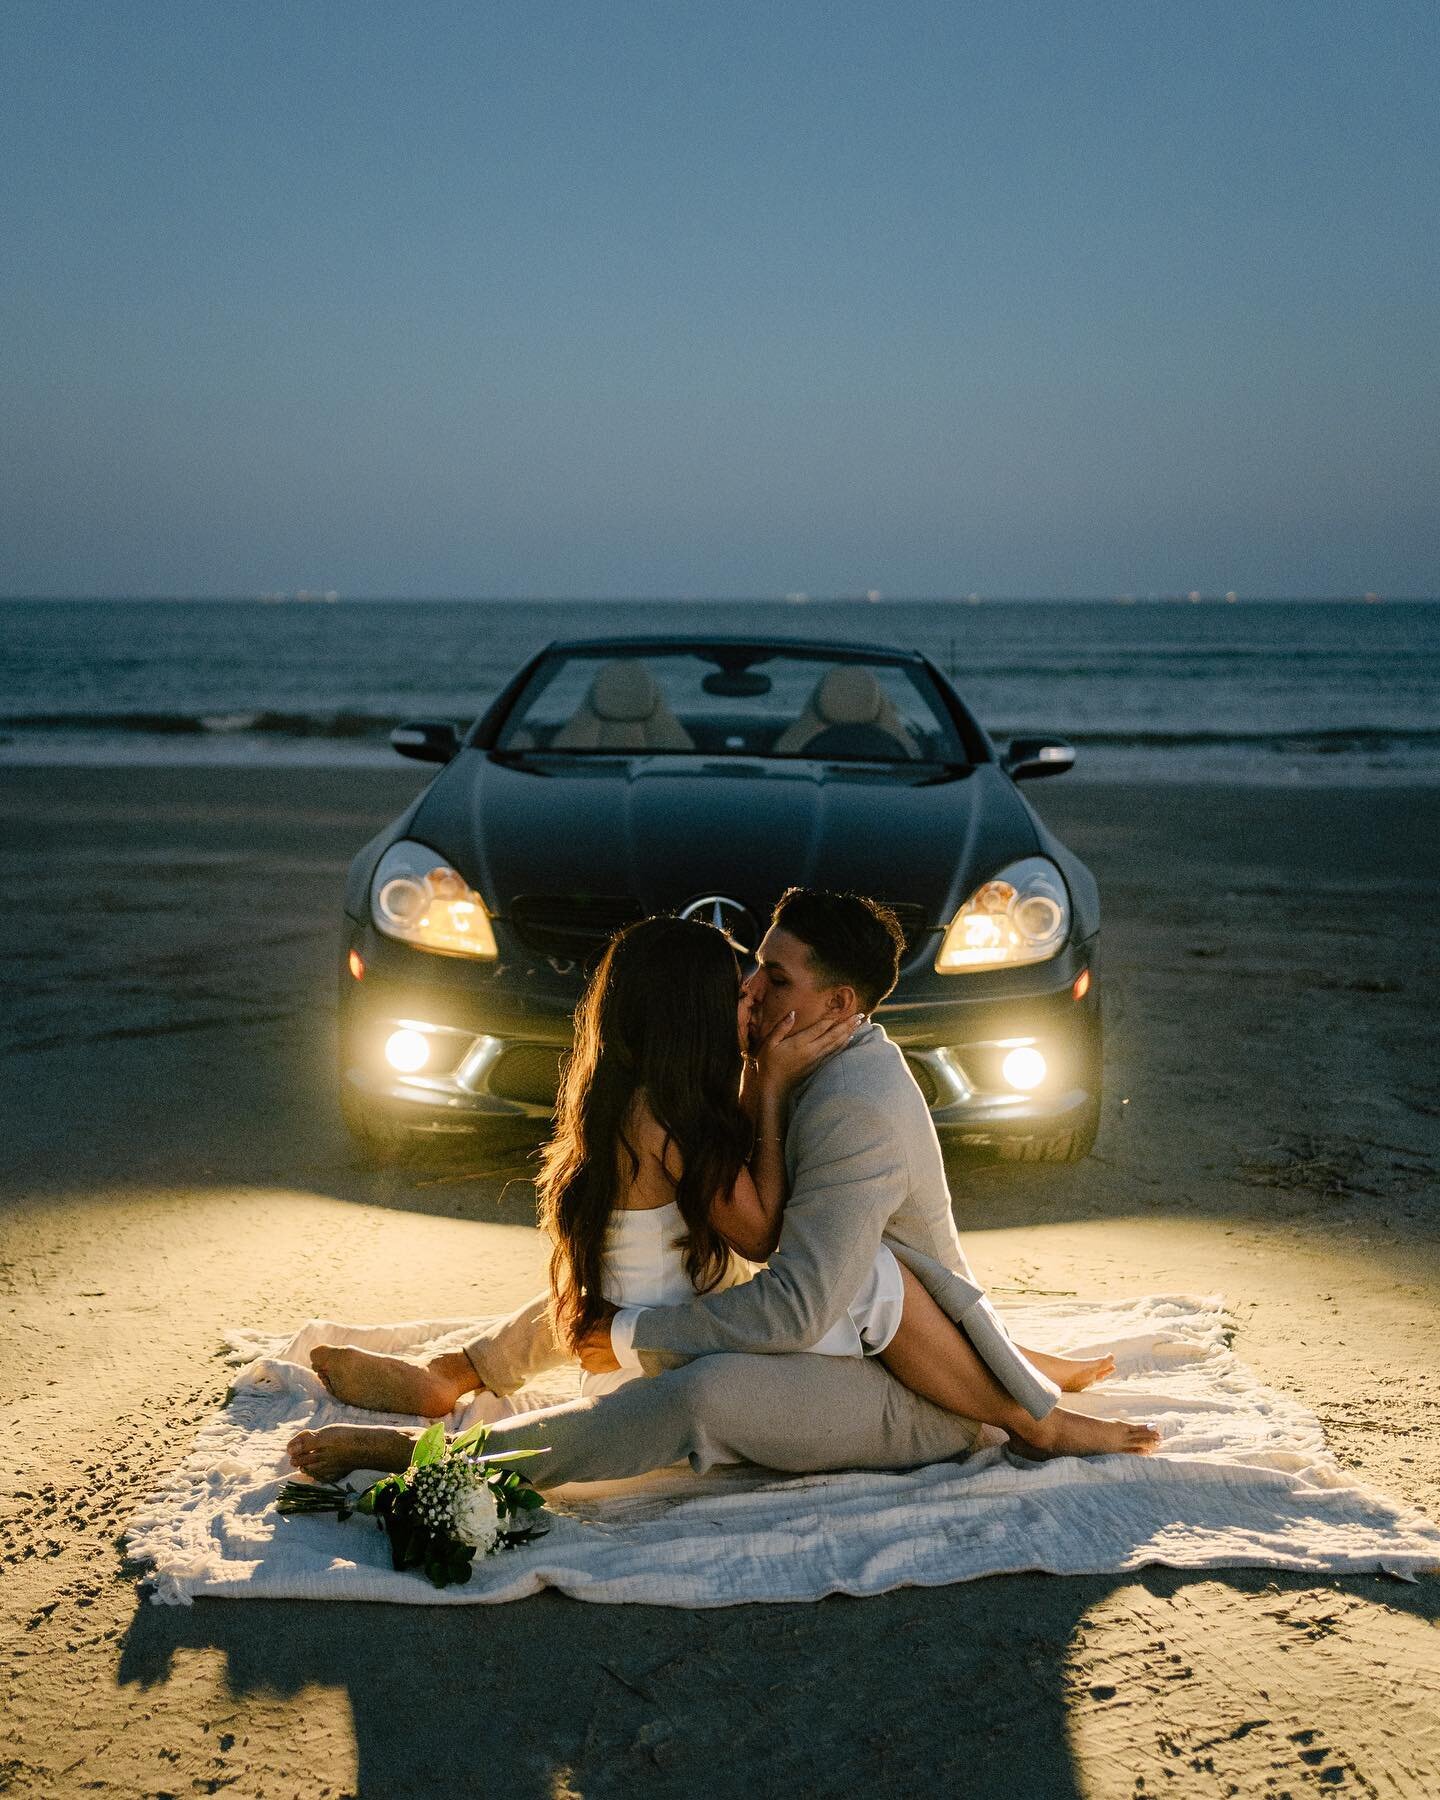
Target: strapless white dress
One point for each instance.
(645, 1266)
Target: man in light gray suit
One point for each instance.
(731, 1380)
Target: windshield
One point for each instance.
(730, 701)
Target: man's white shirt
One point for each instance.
(622, 1336)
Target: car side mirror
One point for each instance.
(1028, 758)
(426, 740)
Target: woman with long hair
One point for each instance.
(646, 1189)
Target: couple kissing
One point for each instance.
(754, 1258)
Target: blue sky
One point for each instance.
(574, 299)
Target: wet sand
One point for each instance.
(170, 1160)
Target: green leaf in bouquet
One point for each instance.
(403, 1550)
(445, 1562)
(507, 1456)
(522, 1534)
(471, 1439)
(381, 1496)
(429, 1446)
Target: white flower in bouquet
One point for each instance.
(474, 1516)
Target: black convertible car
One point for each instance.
(615, 778)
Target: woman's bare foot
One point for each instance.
(394, 1384)
(1063, 1433)
(1071, 1374)
(335, 1450)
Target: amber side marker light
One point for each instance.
(1079, 988)
(357, 964)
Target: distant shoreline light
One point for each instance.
(331, 597)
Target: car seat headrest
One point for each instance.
(849, 696)
(625, 693)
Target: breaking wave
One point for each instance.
(1332, 740)
(342, 724)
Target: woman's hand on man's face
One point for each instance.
(786, 1055)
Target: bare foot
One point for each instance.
(335, 1450)
(393, 1384)
(1071, 1374)
(1063, 1433)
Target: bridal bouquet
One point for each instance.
(451, 1505)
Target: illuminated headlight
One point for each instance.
(1024, 1068)
(1022, 915)
(408, 1051)
(417, 897)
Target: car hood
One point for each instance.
(666, 830)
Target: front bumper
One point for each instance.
(975, 1116)
(462, 1099)
(497, 1033)
(496, 1038)
(957, 1032)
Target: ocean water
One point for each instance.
(1267, 691)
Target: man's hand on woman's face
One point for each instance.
(785, 1055)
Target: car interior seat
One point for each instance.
(848, 713)
(624, 710)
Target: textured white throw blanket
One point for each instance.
(1243, 1478)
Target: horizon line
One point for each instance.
(314, 597)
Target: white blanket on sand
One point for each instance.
(1243, 1478)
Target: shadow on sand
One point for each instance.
(960, 1690)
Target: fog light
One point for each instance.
(356, 964)
(407, 1051)
(1024, 1069)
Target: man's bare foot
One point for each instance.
(394, 1384)
(1063, 1433)
(335, 1450)
(1071, 1374)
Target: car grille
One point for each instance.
(575, 928)
(924, 1079)
(529, 1073)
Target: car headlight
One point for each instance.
(1021, 915)
(417, 897)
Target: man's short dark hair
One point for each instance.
(853, 941)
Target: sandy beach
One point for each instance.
(172, 1161)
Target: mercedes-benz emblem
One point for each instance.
(729, 916)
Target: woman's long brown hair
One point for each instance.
(658, 1017)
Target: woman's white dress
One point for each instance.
(645, 1266)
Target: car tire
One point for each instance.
(1073, 1145)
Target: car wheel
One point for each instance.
(1060, 1146)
